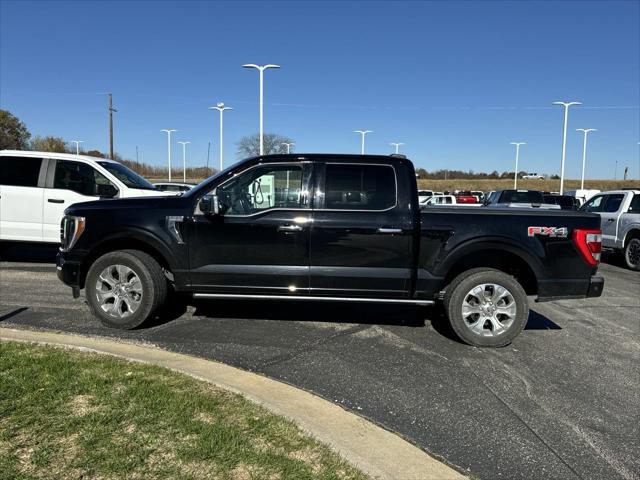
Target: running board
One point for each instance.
(312, 298)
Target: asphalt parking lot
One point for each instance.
(561, 402)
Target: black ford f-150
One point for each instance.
(327, 227)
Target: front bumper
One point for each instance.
(69, 270)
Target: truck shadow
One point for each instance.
(311, 311)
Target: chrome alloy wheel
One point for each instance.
(489, 310)
(118, 291)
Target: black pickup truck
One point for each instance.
(327, 227)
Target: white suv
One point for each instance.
(36, 187)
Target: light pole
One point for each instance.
(566, 106)
(221, 108)
(363, 133)
(515, 177)
(184, 161)
(77, 142)
(289, 145)
(615, 172)
(261, 69)
(397, 145)
(169, 146)
(584, 151)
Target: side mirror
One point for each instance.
(106, 191)
(210, 205)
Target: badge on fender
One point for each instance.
(561, 232)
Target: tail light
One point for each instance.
(589, 244)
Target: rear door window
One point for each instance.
(20, 171)
(359, 187)
(613, 203)
(78, 177)
(635, 204)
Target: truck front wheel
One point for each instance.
(632, 253)
(124, 288)
(486, 307)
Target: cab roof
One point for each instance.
(63, 156)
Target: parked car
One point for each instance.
(619, 212)
(424, 194)
(533, 176)
(565, 202)
(352, 232)
(519, 199)
(174, 186)
(466, 197)
(36, 187)
(439, 200)
(479, 195)
(582, 195)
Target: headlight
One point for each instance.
(71, 229)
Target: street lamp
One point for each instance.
(184, 161)
(261, 69)
(77, 142)
(169, 146)
(288, 146)
(566, 106)
(363, 133)
(584, 150)
(397, 145)
(515, 177)
(221, 108)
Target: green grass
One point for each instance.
(66, 414)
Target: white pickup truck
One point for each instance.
(619, 212)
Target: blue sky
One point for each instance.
(455, 81)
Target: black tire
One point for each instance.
(153, 287)
(459, 289)
(631, 254)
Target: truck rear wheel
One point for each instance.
(486, 307)
(632, 253)
(124, 288)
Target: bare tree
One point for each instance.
(249, 146)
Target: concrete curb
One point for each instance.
(377, 452)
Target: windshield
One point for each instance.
(527, 196)
(130, 178)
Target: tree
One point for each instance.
(95, 153)
(249, 146)
(49, 144)
(13, 133)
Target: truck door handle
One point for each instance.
(55, 200)
(289, 228)
(611, 220)
(389, 230)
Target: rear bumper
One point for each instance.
(570, 288)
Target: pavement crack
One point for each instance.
(311, 346)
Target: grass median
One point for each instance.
(67, 414)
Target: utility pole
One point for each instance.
(515, 177)
(111, 110)
(221, 108)
(289, 145)
(261, 69)
(137, 161)
(566, 106)
(363, 133)
(584, 151)
(208, 151)
(615, 172)
(184, 160)
(397, 145)
(77, 142)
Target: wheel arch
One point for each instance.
(633, 232)
(497, 254)
(131, 241)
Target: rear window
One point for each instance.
(513, 196)
(360, 187)
(563, 201)
(20, 171)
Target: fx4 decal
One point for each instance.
(561, 232)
